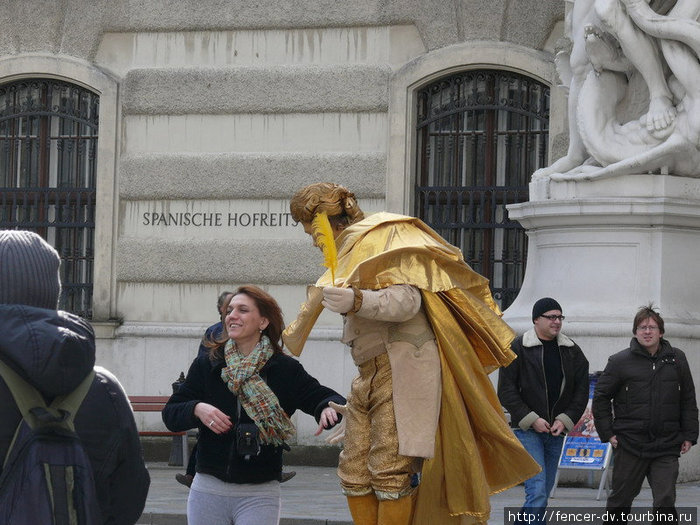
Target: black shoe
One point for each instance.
(186, 479)
(286, 476)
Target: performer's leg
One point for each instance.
(396, 511)
(391, 472)
(364, 509)
(370, 463)
(352, 465)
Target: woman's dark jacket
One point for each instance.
(522, 389)
(216, 454)
(54, 351)
(653, 398)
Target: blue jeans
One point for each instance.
(545, 449)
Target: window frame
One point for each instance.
(83, 74)
(480, 135)
(408, 80)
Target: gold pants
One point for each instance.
(370, 459)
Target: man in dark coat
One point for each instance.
(644, 405)
(545, 390)
(54, 351)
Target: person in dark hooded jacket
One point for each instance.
(644, 405)
(54, 351)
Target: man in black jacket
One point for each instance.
(545, 390)
(54, 351)
(644, 405)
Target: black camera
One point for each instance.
(247, 439)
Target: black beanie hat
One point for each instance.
(544, 305)
(28, 270)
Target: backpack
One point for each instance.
(47, 477)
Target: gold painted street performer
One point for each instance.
(424, 332)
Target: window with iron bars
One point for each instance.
(48, 157)
(480, 136)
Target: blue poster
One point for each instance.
(582, 446)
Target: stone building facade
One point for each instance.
(203, 117)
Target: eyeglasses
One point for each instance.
(554, 317)
(648, 328)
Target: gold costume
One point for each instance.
(476, 453)
(370, 465)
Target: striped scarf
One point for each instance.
(241, 375)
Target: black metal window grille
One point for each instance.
(480, 136)
(48, 159)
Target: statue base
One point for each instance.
(603, 249)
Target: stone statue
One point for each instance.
(633, 77)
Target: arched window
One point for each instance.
(480, 136)
(48, 156)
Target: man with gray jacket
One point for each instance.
(545, 390)
(54, 351)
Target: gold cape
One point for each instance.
(476, 453)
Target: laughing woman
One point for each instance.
(241, 397)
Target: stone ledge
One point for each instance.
(642, 185)
(247, 175)
(278, 89)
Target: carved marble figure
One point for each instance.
(634, 89)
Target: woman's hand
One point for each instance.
(212, 417)
(329, 417)
(338, 433)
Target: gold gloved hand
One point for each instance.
(339, 300)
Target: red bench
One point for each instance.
(156, 404)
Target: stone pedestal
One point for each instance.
(605, 248)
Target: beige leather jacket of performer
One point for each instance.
(392, 320)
